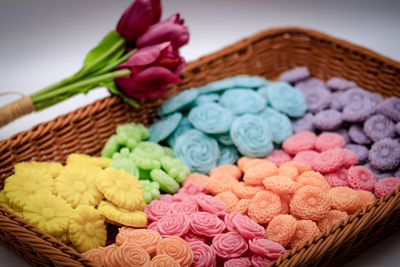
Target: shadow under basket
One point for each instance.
(266, 54)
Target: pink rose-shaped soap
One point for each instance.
(259, 261)
(173, 225)
(183, 197)
(186, 207)
(238, 262)
(266, 248)
(152, 226)
(229, 245)
(203, 255)
(246, 227)
(211, 204)
(165, 198)
(192, 189)
(206, 224)
(156, 210)
(191, 237)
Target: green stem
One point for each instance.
(115, 47)
(114, 64)
(93, 80)
(84, 71)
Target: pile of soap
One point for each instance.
(155, 166)
(325, 154)
(369, 124)
(293, 202)
(216, 123)
(214, 235)
(141, 247)
(74, 202)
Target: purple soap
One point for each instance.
(317, 99)
(379, 175)
(310, 84)
(397, 173)
(384, 155)
(358, 110)
(294, 75)
(358, 136)
(355, 94)
(340, 84)
(361, 152)
(337, 101)
(378, 127)
(391, 108)
(329, 119)
(305, 123)
(376, 98)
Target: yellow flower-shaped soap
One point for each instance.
(50, 168)
(76, 184)
(17, 188)
(64, 238)
(88, 160)
(122, 216)
(121, 188)
(5, 204)
(49, 213)
(87, 229)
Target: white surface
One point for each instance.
(43, 41)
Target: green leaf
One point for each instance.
(108, 50)
(113, 88)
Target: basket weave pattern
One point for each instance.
(266, 54)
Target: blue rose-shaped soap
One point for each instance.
(287, 99)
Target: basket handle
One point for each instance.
(15, 109)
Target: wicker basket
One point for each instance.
(265, 54)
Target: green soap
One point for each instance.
(155, 193)
(128, 135)
(166, 182)
(175, 168)
(147, 197)
(144, 174)
(110, 147)
(150, 189)
(122, 154)
(169, 152)
(143, 163)
(149, 150)
(125, 164)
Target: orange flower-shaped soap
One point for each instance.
(242, 190)
(130, 255)
(147, 239)
(280, 184)
(310, 203)
(264, 206)
(313, 178)
(220, 183)
(301, 167)
(288, 171)
(241, 206)
(281, 229)
(229, 198)
(256, 174)
(163, 260)
(247, 162)
(305, 230)
(227, 169)
(333, 217)
(177, 248)
(344, 198)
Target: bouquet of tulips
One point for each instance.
(136, 60)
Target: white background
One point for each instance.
(43, 41)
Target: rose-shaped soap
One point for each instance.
(184, 207)
(206, 224)
(238, 262)
(177, 248)
(191, 237)
(211, 204)
(266, 248)
(203, 255)
(245, 226)
(156, 210)
(173, 225)
(259, 261)
(229, 245)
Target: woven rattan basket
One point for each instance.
(266, 54)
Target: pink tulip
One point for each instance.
(138, 18)
(152, 69)
(169, 30)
